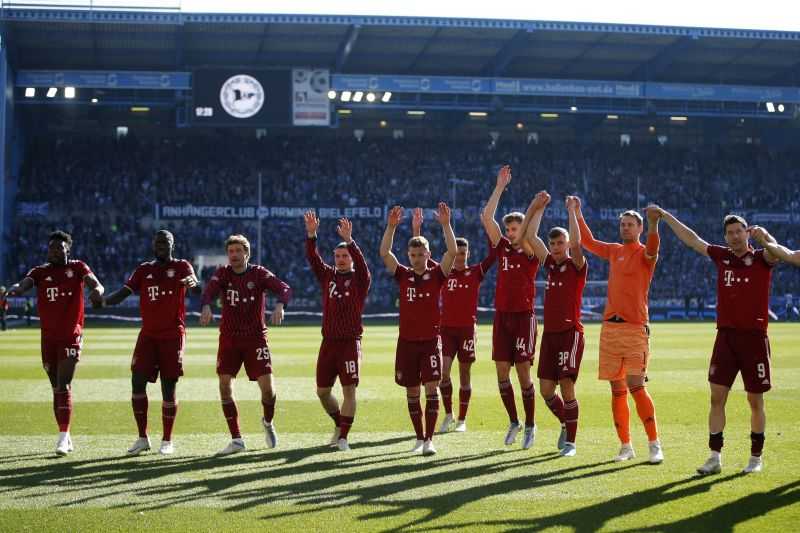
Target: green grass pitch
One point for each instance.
(473, 483)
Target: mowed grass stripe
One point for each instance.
(388, 414)
(473, 483)
(379, 486)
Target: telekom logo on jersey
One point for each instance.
(52, 292)
(152, 292)
(233, 297)
(728, 278)
(452, 284)
(411, 292)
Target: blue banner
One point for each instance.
(725, 93)
(556, 87)
(104, 79)
(457, 85)
(33, 209)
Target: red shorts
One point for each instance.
(338, 357)
(252, 351)
(417, 362)
(152, 357)
(560, 355)
(55, 350)
(514, 337)
(459, 342)
(741, 351)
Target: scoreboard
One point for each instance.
(260, 97)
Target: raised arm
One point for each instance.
(575, 250)
(487, 215)
(392, 221)
(416, 228)
(443, 216)
(416, 222)
(684, 233)
(345, 231)
(782, 253)
(766, 240)
(653, 240)
(318, 266)
(528, 238)
(598, 248)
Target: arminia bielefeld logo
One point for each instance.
(241, 96)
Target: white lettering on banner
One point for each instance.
(275, 211)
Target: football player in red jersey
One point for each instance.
(59, 291)
(161, 285)
(344, 291)
(243, 333)
(744, 276)
(562, 344)
(419, 359)
(458, 325)
(514, 329)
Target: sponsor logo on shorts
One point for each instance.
(765, 382)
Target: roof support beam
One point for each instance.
(506, 54)
(662, 60)
(346, 48)
(414, 62)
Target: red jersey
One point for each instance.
(343, 294)
(516, 275)
(162, 297)
(563, 294)
(460, 294)
(419, 301)
(243, 298)
(59, 290)
(743, 285)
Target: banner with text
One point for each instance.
(254, 212)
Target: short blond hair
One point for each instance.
(514, 216)
(238, 239)
(419, 242)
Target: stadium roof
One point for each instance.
(95, 40)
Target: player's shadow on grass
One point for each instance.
(727, 516)
(98, 479)
(330, 494)
(594, 517)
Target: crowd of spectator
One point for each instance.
(106, 192)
